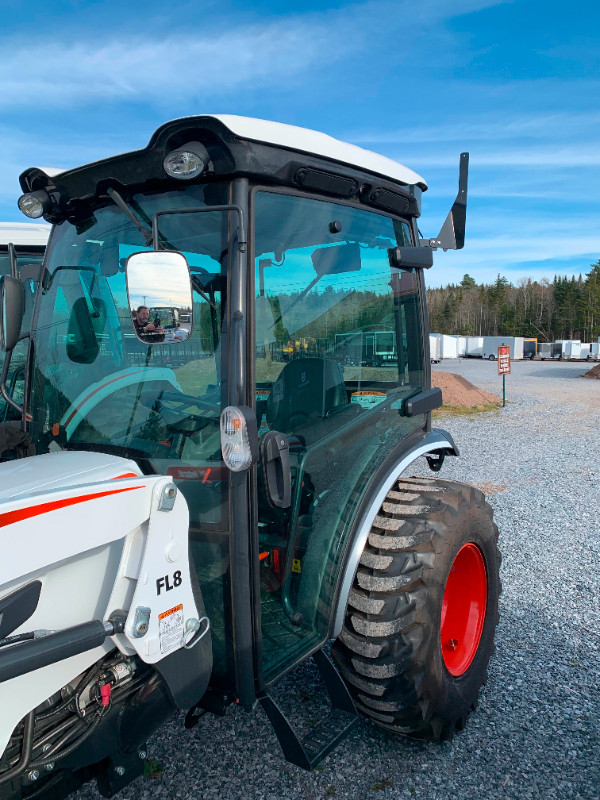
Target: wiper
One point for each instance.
(118, 201)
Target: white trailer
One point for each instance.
(474, 347)
(29, 240)
(573, 350)
(435, 350)
(569, 348)
(24, 233)
(492, 343)
(462, 346)
(449, 346)
(552, 350)
(594, 351)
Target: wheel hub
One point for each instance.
(463, 609)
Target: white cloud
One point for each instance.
(486, 127)
(87, 67)
(576, 155)
(172, 67)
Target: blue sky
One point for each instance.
(515, 83)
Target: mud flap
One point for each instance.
(186, 672)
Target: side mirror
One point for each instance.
(411, 257)
(12, 310)
(160, 296)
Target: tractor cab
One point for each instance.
(287, 376)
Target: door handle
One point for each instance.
(275, 457)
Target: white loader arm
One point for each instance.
(98, 537)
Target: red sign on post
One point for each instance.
(504, 359)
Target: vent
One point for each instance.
(383, 198)
(326, 182)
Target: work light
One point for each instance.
(186, 162)
(35, 204)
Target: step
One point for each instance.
(321, 740)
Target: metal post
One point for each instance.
(503, 390)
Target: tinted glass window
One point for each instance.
(338, 351)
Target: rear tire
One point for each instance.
(407, 671)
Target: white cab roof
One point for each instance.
(309, 141)
(306, 140)
(24, 233)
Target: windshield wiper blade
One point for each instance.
(197, 286)
(118, 201)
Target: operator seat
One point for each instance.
(306, 392)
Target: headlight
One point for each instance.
(35, 204)
(186, 162)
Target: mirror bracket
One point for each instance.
(452, 234)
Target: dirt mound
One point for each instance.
(457, 391)
(594, 372)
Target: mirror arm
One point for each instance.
(452, 234)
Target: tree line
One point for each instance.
(565, 308)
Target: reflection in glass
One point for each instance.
(160, 296)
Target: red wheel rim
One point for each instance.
(463, 609)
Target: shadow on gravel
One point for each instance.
(563, 373)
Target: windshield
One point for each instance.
(95, 386)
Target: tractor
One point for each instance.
(194, 510)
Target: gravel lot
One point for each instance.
(536, 733)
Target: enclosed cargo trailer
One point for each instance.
(530, 348)
(492, 343)
(449, 345)
(550, 350)
(435, 350)
(474, 347)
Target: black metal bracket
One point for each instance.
(436, 461)
(213, 702)
(312, 749)
(452, 234)
(120, 769)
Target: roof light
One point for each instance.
(35, 204)
(186, 162)
(236, 447)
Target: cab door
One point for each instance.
(322, 278)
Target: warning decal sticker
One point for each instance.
(170, 629)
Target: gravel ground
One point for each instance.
(536, 733)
